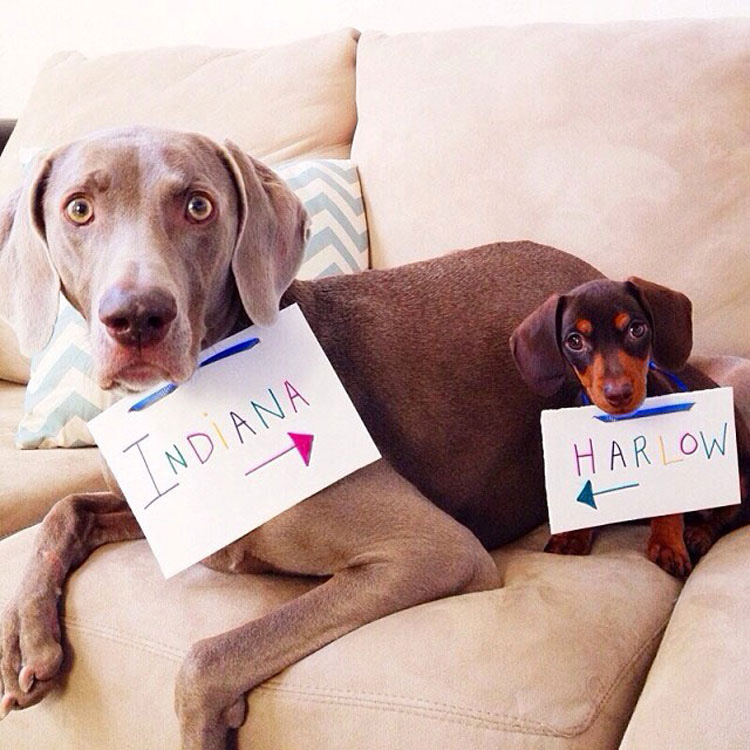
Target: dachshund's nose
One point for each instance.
(618, 392)
(137, 317)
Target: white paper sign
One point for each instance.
(246, 438)
(677, 453)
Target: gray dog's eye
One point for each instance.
(199, 208)
(80, 211)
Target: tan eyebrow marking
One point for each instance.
(621, 321)
(177, 184)
(584, 326)
(95, 181)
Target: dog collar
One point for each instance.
(669, 375)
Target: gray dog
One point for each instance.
(167, 242)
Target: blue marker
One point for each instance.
(152, 398)
(165, 390)
(242, 346)
(651, 411)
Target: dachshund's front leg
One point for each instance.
(578, 542)
(666, 545)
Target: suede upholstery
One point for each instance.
(621, 143)
(625, 143)
(696, 694)
(31, 481)
(556, 658)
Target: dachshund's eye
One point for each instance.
(637, 329)
(80, 211)
(198, 208)
(574, 341)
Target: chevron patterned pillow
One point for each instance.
(62, 396)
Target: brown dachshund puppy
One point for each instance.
(622, 340)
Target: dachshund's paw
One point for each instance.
(670, 557)
(30, 651)
(699, 538)
(207, 710)
(571, 542)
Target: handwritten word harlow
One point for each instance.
(676, 454)
(638, 450)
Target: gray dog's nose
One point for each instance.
(137, 317)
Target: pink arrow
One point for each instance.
(300, 441)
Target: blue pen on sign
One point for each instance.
(647, 412)
(242, 346)
(165, 390)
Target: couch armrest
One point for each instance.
(6, 128)
(696, 694)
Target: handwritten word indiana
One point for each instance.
(686, 447)
(199, 446)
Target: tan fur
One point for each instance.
(632, 369)
(666, 545)
(621, 321)
(584, 326)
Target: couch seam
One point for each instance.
(7, 534)
(154, 647)
(655, 636)
(527, 726)
(368, 699)
(454, 717)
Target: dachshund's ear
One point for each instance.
(29, 284)
(273, 228)
(671, 318)
(536, 350)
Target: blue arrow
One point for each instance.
(586, 495)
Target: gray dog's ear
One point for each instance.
(536, 351)
(29, 284)
(671, 318)
(271, 236)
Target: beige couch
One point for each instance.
(627, 144)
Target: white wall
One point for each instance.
(31, 30)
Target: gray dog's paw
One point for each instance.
(206, 707)
(30, 652)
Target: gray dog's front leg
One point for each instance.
(30, 639)
(387, 547)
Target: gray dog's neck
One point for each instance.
(239, 319)
(236, 319)
(233, 320)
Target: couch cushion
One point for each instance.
(696, 695)
(277, 103)
(731, 371)
(13, 365)
(31, 481)
(555, 659)
(627, 144)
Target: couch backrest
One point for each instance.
(627, 144)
